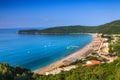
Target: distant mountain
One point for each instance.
(108, 28)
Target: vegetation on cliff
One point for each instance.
(8, 72)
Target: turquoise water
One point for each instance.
(36, 51)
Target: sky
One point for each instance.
(51, 13)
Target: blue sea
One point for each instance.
(36, 51)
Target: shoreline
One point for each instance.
(82, 53)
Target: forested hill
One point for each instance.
(112, 27)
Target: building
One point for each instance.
(69, 68)
(91, 62)
(55, 71)
(105, 44)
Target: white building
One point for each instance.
(105, 44)
(55, 71)
(69, 68)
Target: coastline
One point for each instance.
(82, 53)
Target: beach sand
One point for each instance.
(76, 55)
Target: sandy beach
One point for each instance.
(76, 55)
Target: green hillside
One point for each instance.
(8, 72)
(108, 28)
(112, 27)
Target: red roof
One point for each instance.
(93, 62)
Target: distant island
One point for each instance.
(108, 28)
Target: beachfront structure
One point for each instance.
(91, 62)
(105, 44)
(97, 42)
(68, 68)
(55, 71)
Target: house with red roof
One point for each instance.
(91, 62)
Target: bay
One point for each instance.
(36, 51)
